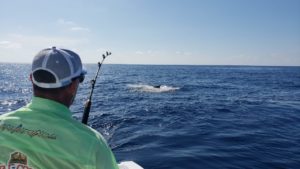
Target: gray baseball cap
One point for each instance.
(55, 68)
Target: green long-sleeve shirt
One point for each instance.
(43, 135)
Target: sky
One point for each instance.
(185, 32)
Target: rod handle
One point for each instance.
(86, 111)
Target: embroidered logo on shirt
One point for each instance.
(17, 160)
(22, 130)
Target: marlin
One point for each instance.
(157, 86)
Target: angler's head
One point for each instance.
(56, 74)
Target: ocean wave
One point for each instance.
(12, 104)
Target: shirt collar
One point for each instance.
(50, 106)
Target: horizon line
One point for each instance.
(157, 64)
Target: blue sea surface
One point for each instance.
(210, 117)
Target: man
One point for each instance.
(43, 135)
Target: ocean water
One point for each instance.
(212, 117)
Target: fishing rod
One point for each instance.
(88, 103)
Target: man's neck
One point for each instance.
(62, 100)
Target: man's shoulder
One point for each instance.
(96, 134)
(14, 114)
(89, 132)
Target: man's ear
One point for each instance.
(74, 85)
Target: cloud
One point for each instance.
(10, 45)
(185, 53)
(52, 39)
(100, 50)
(103, 50)
(149, 52)
(22, 47)
(34, 42)
(139, 52)
(64, 22)
(72, 26)
(77, 28)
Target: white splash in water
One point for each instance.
(153, 89)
